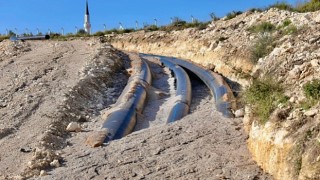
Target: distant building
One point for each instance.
(87, 25)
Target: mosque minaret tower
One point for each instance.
(87, 25)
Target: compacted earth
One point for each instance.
(45, 85)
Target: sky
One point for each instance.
(24, 16)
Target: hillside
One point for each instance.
(271, 60)
(48, 84)
(248, 49)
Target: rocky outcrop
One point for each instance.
(287, 146)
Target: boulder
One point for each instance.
(96, 139)
(295, 73)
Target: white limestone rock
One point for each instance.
(55, 163)
(311, 113)
(73, 127)
(239, 113)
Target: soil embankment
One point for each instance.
(287, 146)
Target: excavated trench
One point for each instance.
(192, 148)
(162, 97)
(169, 97)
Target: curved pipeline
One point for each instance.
(121, 119)
(219, 88)
(183, 92)
(23, 38)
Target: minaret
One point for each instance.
(87, 25)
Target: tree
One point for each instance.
(82, 32)
(178, 22)
(11, 33)
(213, 16)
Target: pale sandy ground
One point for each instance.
(32, 85)
(203, 145)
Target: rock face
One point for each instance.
(283, 147)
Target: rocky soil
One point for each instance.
(286, 147)
(48, 84)
(45, 85)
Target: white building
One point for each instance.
(87, 25)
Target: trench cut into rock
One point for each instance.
(224, 98)
(120, 120)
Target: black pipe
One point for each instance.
(121, 119)
(219, 88)
(183, 92)
(23, 38)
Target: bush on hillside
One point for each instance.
(306, 6)
(309, 6)
(291, 29)
(111, 31)
(312, 89)
(3, 37)
(99, 33)
(261, 47)
(286, 22)
(81, 32)
(214, 17)
(262, 27)
(252, 10)
(233, 14)
(151, 28)
(282, 6)
(263, 96)
(287, 27)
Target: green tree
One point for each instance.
(81, 32)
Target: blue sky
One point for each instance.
(68, 14)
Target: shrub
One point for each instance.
(202, 25)
(291, 29)
(127, 30)
(263, 96)
(58, 37)
(196, 24)
(3, 38)
(312, 89)
(282, 6)
(262, 27)
(115, 31)
(178, 22)
(306, 6)
(255, 10)
(151, 28)
(287, 27)
(213, 16)
(262, 47)
(81, 32)
(308, 104)
(233, 14)
(310, 6)
(99, 33)
(286, 22)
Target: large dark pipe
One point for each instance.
(222, 93)
(121, 119)
(23, 38)
(183, 92)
